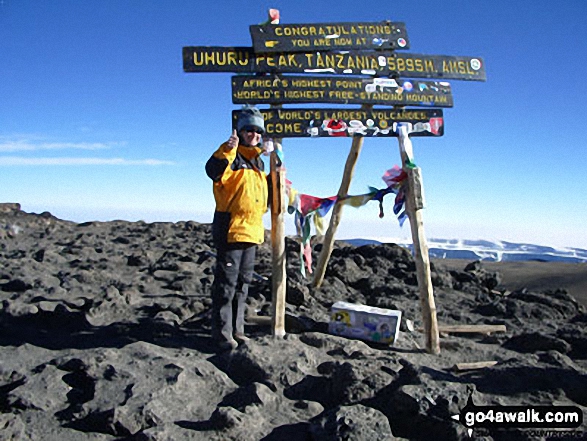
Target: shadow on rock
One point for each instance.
(70, 330)
(290, 432)
(515, 380)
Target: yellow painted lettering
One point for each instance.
(209, 59)
(319, 61)
(243, 58)
(391, 63)
(330, 61)
(198, 61)
(232, 58)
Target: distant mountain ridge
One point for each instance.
(494, 251)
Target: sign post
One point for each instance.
(324, 58)
(414, 204)
(278, 276)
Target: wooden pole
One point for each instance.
(414, 204)
(279, 277)
(328, 243)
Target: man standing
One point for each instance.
(240, 192)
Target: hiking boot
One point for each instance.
(228, 345)
(241, 338)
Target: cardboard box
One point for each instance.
(364, 322)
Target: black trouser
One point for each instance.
(235, 263)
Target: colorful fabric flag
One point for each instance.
(309, 208)
(309, 204)
(273, 17)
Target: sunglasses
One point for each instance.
(251, 129)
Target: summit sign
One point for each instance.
(373, 63)
(330, 122)
(328, 36)
(342, 63)
(281, 89)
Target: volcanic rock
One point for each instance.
(105, 335)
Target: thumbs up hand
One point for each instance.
(233, 140)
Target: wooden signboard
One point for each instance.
(328, 36)
(379, 63)
(297, 123)
(273, 89)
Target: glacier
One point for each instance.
(494, 251)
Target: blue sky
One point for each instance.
(99, 121)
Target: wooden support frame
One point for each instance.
(328, 242)
(414, 204)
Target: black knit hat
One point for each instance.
(250, 116)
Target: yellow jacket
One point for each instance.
(240, 192)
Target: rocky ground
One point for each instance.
(104, 335)
(534, 275)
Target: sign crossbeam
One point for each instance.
(298, 123)
(328, 36)
(369, 63)
(296, 89)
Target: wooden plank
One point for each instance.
(273, 89)
(414, 198)
(374, 63)
(308, 122)
(260, 320)
(474, 365)
(328, 242)
(308, 37)
(471, 329)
